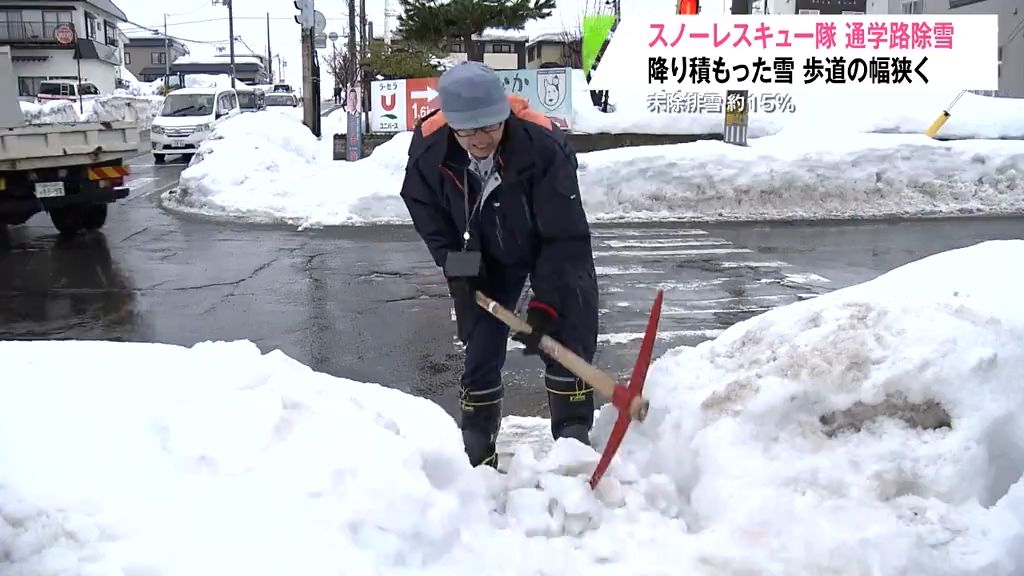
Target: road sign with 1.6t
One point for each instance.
(419, 92)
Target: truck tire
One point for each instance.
(94, 217)
(68, 220)
(158, 158)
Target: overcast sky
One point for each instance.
(200, 20)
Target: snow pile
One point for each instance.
(276, 151)
(125, 108)
(794, 177)
(207, 81)
(873, 430)
(266, 167)
(114, 108)
(849, 110)
(789, 176)
(52, 112)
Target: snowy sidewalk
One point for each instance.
(872, 430)
(269, 168)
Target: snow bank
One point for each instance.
(267, 167)
(794, 176)
(873, 430)
(852, 110)
(52, 112)
(790, 176)
(113, 108)
(126, 108)
(207, 81)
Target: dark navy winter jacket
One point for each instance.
(533, 222)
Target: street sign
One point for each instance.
(419, 93)
(64, 34)
(320, 41)
(333, 36)
(319, 22)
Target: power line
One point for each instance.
(154, 30)
(260, 18)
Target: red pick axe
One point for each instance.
(628, 400)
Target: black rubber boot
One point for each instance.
(481, 419)
(570, 404)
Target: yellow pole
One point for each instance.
(937, 125)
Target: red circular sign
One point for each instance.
(64, 34)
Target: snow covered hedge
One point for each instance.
(873, 430)
(267, 168)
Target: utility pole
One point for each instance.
(231, 31)
(305, 19)
(270, 60)
(362, 28)
(351, 41)
(167, 57)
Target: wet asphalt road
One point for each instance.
(368, 304)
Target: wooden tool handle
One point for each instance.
(597, 378)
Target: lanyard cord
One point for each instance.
(469, 214)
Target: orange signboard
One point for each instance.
(419, 92)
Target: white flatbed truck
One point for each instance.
(71, 170)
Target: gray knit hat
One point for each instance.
(472, 96)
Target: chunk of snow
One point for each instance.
(128, 458)
(783, 177)
(52, 112)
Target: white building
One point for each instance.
(31, 28)
(1011, 32)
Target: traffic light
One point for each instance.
(305, 16)
(689, 7)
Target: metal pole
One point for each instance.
(167, 58)
(351, 40)
(231, 31)
(270, 60)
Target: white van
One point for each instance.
(188, 117)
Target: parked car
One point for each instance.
(282, 99)
(65, 90)
(251, 99)
(188, 117)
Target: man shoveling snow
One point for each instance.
(491, 187)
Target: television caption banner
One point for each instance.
(801, 52)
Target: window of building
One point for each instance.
(11, 25)
(157, 58)
(501, 48)
(912, 6)
(531, 53)
(110, 33)
(455, 46)
(92, 26)
(51, 20)
(30, 85)
(127, 58)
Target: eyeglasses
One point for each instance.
(465, 132)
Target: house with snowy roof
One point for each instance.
(51, 39)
